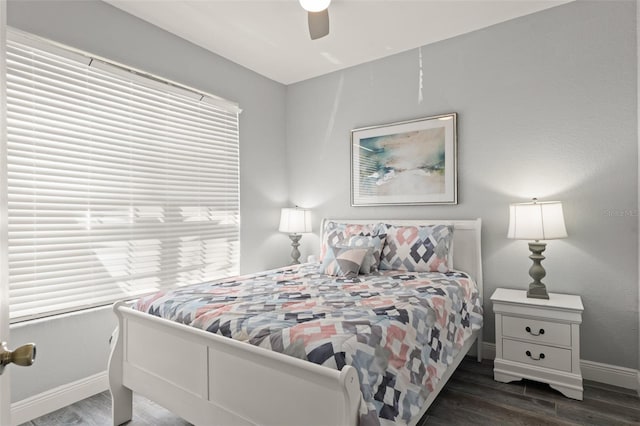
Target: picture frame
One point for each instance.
(405, 163)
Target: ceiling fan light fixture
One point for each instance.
(314, 5)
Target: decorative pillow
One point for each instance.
(417, 248)
(335, 233)
(375, 244)
(342, 261)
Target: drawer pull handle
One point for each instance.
(534, 358)
(528, 329)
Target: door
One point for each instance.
(25, 355)
(5, 396)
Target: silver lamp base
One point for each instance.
(537, 292)
(537, 289)
(295, 253)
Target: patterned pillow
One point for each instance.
(417, 248)
(335, 233)
(375, 244)
(343, 261)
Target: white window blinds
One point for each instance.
(117, 184)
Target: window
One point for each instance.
(118, 184)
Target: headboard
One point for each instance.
(467, 253)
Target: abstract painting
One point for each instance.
(405, 163)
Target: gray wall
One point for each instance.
(638, 112)
(70, 349)
(547, 108)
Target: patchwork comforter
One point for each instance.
(399, 330)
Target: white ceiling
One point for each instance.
(271, 37)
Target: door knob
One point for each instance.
(25, 355)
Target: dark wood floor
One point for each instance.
(473, 397)
(470, 397)
(96, 411)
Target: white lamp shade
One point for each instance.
(295, 221)
(314, 5)
(536, 221)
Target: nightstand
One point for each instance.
(538, 339)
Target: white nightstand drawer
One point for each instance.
(539, 355)
(535, 330)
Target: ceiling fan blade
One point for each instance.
(318, 24)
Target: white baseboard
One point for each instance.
(609, 374)
(54, 399)
(623, 377)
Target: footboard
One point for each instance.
(212, 380)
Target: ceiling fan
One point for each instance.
(318, 17)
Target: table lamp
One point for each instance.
(295, 221)
(536, 221)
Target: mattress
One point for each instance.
(399, 330)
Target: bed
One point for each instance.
(208, 378)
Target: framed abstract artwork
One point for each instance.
(406, 163)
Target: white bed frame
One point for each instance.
(208, 379)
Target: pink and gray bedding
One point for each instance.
(336, 233)
(399, 330)
(406, 248)
(372, 259)
(416, 248)
(343, 261)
